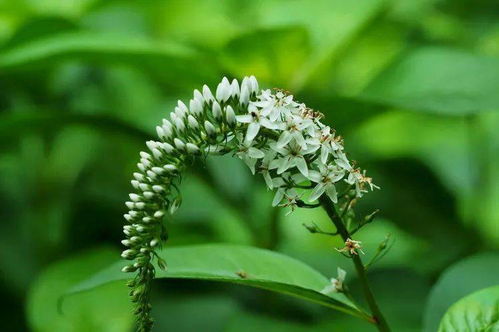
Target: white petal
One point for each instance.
(268, 124)
(284, 139)
(317, 192)
(302, 165)
(279, 195)
(299, 139)
(324, 153)
(251, 163)
(284, 164)
(253, 129)
(314, 176)
(331, 192)
(268, 180)
(246, 118)
(255, 153)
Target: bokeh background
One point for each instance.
(413, 86)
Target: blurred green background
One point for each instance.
(413, 86)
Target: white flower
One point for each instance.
(276, 107)
(291, 155)
(325, 179)
(336, 285)
(329, 143)
(342, 161)
(360, 180)
(291, 199)
(295, 127)
(264, 167)
(249, 155)
(255, 120)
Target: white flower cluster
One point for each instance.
(295, 148)
(274, 135)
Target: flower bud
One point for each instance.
(159, 214)
(145, 155)
(141, 167)
(151, 144)
(245, 94)
(138, 176)
(156, 153)
(134, 197)
(192, 148)
(181, 109)
(216, 110)
(126, 243)
(135, 184)
(140, 205)
(128, 217)
(167, 147)
(154, 243)
(127, 229)
(223, 90)
(179, 124)
(208, 96)
(170, 168)
(179, 144)
(234, 87)
(193, 123)
(145, 162)
(129, 254)
(196, 106)
(254, 84)
(147, 220)
(148, 194)
(130, 205)
(144, 186)
(157, 188)
(157, 170)
(129, 268)
(230, 115)
(210, 129)
(198, 96)
(161, 132)
(151, 174)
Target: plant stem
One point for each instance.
(378, 318)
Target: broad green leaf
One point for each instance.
(236, 264)
(84, 312)
(461, 279)
(478, 312)
(439, 80)
(161, 59)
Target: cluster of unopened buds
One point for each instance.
(275, 136)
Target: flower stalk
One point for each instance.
(377, 316)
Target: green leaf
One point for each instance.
(439, 80)
(237, 264)
(461, 279)
(164, 60)
(478, 312)
(84, 312)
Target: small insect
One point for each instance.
(242, 274)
